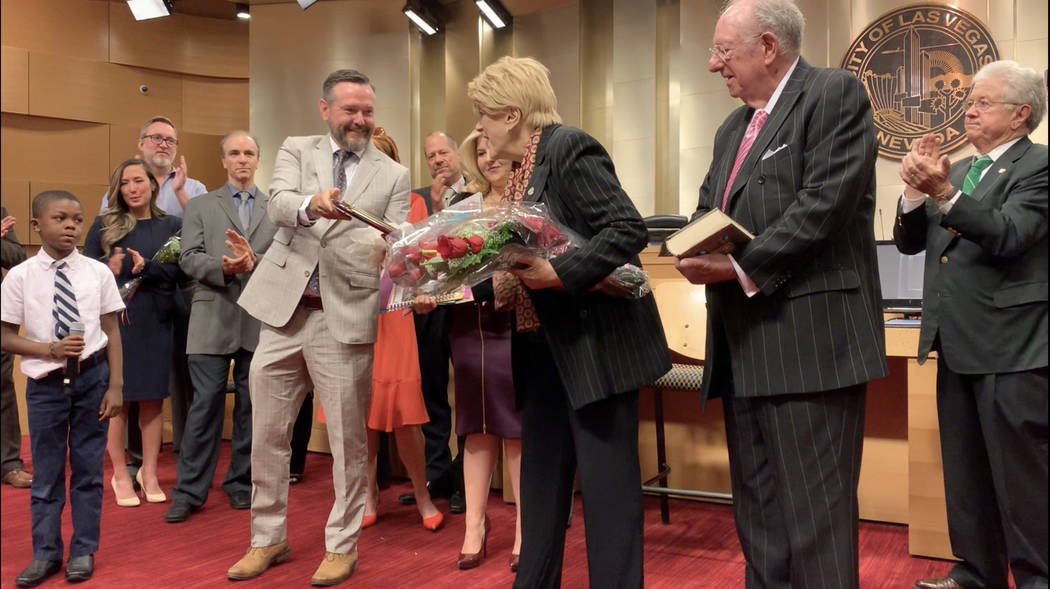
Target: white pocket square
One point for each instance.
(768, 154)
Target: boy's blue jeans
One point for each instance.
(58, 421)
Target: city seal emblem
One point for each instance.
(917, 64)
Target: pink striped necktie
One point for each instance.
(753, 128)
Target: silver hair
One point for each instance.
(156, 119)
(1020, 85)
(780, 17)
(222, 142)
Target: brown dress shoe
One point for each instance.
(258, 559)
(334, 569)
(19, 479)
(937, 583)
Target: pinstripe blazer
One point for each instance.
(807, 191)
(602, 346)
(985, 290)
(340, 249)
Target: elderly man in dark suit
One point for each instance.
(982, 222)
(222, 234)
(794, 316)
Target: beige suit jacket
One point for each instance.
(342, 250)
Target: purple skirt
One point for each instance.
(480, 342)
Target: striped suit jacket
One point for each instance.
(985, 290)
(341, 250)
(602, 346)
(806, 190)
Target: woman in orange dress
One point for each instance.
(397, 393)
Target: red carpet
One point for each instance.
(140, 550)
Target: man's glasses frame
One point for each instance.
(158, 139)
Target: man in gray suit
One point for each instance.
(222, 233)
(317, 294)
(795, 326)
(982, 222)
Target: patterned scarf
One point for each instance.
(508, 289)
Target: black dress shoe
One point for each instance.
(37, 571)
(179, 511)
(240, 500)
(80, 568)
(938, 583)
(407, 498)
(457, 503)
(295, 478)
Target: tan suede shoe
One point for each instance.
(258, 559)
(334, 569)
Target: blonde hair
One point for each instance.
(385, 143)
(117, 219)
(516, 83)
(468, 164)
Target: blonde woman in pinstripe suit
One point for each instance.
(578, 355)
(794, 317)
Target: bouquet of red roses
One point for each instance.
(455, 247)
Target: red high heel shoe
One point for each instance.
(368, 520)
(434, 522)
(470, 561)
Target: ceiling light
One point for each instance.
(242, 11)
(494, 12)
(147, 9)
(423, 15)
(304, 4)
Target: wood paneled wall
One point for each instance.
(70, 72)
(71, 100)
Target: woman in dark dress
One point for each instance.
(126, 236)
(480, 344)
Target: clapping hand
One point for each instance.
(243, 259)
(178, 182)
(924, 170)
(6, 225)
(138, 264)
(116, 261)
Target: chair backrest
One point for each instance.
(660, 226)
(683, 312)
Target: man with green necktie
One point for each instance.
(983, 224)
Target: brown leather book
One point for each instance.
(712, 233)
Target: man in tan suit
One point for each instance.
(316, 293)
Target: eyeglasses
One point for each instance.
(158, 139)
(984, 104)
(725, 54)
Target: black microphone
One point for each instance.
(72, 362)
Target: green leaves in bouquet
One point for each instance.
(170, 251)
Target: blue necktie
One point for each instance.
(65, 311)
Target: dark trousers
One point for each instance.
(304, 426)
(10, 430)
(180, 385)
(202, 436)
(602, 439)
(994, 452)
(59, 423)
(794, 465)
(434, 353)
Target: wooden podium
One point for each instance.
(900, 480)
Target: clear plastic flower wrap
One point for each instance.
(466, 246)
(457, 247)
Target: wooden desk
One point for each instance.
(900, 479)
